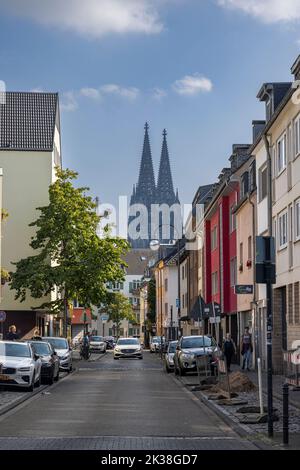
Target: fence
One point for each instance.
(292, 367)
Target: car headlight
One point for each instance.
(25, 369)
(117, 349)
(188, 355)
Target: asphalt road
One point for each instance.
(125, 404)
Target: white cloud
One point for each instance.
(192, 85)
(92, 18)
(268, 11)
(130, 93)
(68, 101)
(158, 94)
(92, 93)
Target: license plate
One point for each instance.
(4, 377)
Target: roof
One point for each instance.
(137, 260)
(27, 120)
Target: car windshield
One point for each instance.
(198, 342)
(96, 338)
(14, 350)
(156, 339)
(127, 341)
(172, 347)
(42, 349)
(57, 343)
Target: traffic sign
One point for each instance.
(2, 316)
(214, 319)
(243, 289)
(104, 318)
(177, 303)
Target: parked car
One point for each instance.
(64, 352)
(169, 356)
(19, 365)
(128, 347)
(97, 344)
(155, 343)
(50, 361)
(188, 348)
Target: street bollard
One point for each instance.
(285, 417)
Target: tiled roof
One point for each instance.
(27, 120)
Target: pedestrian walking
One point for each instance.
(228, 349)
(246, 348)
(12, 333)
(36, 335)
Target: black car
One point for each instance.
(50, 361)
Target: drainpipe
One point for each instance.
(253, 268)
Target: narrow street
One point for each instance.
(125, 404)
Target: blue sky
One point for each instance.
(192, 66)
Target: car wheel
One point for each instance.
(31, 386)
(181, 372)
(57, 376)
(168, 370)
(141, 357)
(38, 382)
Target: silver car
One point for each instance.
(169, 356)
(97, 344)
(19, 366)
(188, 348)
(63, 350)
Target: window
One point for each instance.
(233, 271)
(281, 154)
(214, 283)
(252, 176)
(214, 238)
(297, 136)
(263, 183)
(245, 184)
(297, 219)
(250, 248)
(241, 256)
(182, 300)
(182, 270)
(282, 229)
(166, 285)
(232, 219)
(186, 299)
(166, 308)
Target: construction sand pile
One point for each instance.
(238, 381)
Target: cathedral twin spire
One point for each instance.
(146, 190)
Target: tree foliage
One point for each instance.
(118, 308)
(70, 257)
(152, 301)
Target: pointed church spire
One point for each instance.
(146, 183)
(165, 189)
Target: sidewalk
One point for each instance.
(278, 381)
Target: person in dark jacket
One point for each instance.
(12, 334)
(229, 349)
(246, 348)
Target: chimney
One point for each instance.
(240, 153)
(296, 68)
(257, 129)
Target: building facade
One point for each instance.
(29, 152)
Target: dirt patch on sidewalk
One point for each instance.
(238, 381)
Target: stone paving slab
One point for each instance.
(126, 443)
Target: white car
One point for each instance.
(63, 350)
(97, 344)
(19, 366)
(128, 347)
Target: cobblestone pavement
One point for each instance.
(129, 404)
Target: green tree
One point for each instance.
(119, 308)
(152, 301)
(70, 256)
